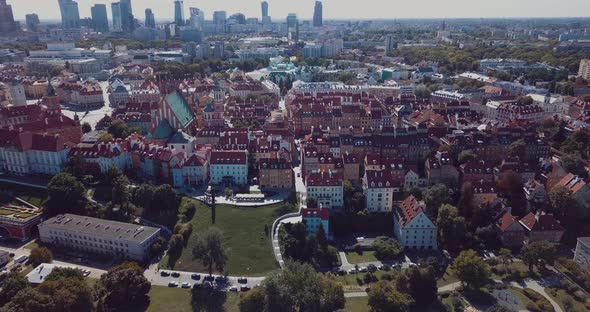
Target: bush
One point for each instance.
(188, 211)
(387, 249)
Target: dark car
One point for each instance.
(243, 280)
(209, 278)
(220, 279)
(175, 274)
(245, 288)
(164, 273)
(196, 276)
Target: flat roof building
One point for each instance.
(125, 240)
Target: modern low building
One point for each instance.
(117, 239)
(582, 254)
(412, 227)
(313, 217)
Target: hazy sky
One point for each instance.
(341, 9)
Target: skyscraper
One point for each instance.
(264, 6)
(179, 12)
(318, 19)
(219, 17)
(292, 27)
(117, 21)
(32, 21)
(150, 20)
(390, 44)
(70, 15)
(99, 18)
(127, 19)
(197, 18)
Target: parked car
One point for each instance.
(352, 271)
(175, 274)
(233, 288)
(209, 278)
(220, 279)
(164, 273)
(245, 288)
(186, 285)
(341, 272)
(243, 280)
(172, 284)
(196, 277)
(363, 269)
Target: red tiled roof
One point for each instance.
(323, 213)
(408, 210)
(325, 179)
(228, 158)
(542, 222)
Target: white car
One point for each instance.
(363, 269)
(172, 284)
(186, 285)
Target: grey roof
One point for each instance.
(38, 275)
(584, 240)
(100, 227)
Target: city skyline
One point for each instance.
(333, 9)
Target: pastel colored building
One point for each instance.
(412, 227)
(229, 167)
(313, 217)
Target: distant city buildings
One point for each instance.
(100, 20)
(318, 20)
(219, 17)
(264, 7)
(32, 21)
(7, 23)
(70, 15)
(390, 44)
(584, 71)
(179, 12)
(197, 18)
(150, 20)
(292, 27)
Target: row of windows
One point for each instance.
(88, 238)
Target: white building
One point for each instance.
(326, 189)
(378, 187)
(412, 227)
(229, 167)
(116, 239)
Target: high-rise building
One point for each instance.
(127, 19)
(179, 12)
(390, 44)
(219, 17)
(292, 27)
(70, 15)
(219, 50)
(150, 20)
(99, 18)
(32, 21)
(584, 70)
(117, 20)
(197, 19)
(318, 19)
(264, 6)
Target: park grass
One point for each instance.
(357, 304)
(179, 300)
(350, 284)
(363, 257)
(519, 293)
(561, 296)
(249, 249)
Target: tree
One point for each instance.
(168, 198)
(422, 285)
(209, 250)
(13, 284)
(112, 174)
(518, 149)
(383, 297)
(574, 164)
(68, 293)
(120, 191)
(66, 195)
(298, 287)
(451, 227)
(228, 193)
(562, 200)
(538, 253)
(75, 166)
(386, 249)
(435, 196)
(252, 301)
(471, 270)
(505, 257)
(105, 138)
(123, 288)
(510, 183)
(466, 156)
(40, 255)
(86, 127)
(143, 196)
(465, 204)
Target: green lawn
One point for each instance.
(350, 284)
(357, 304)
(249, 250)
(363, 257)
(179, 300)
(448, 278)
(561, 296)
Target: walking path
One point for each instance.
(532, 284)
